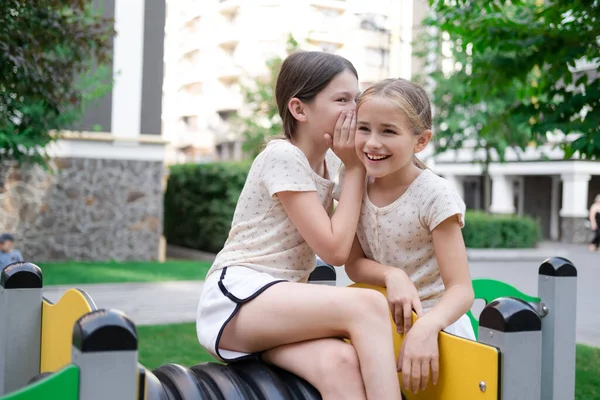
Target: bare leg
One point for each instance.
(330, 365)
(295, 312)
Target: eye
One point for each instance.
(363, 128)
(389, 131)
(342, 99)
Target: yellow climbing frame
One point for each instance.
(469, 370)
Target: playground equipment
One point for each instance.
(73, 351)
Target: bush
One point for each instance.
(199, 203)
(500, 231)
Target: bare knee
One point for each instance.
(372, 304)
(338, 373)
(338, 359)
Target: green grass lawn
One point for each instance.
(177, 343)
(81, 272)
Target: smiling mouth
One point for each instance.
(376, 157)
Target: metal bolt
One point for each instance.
(491, 334)
(482, 386)
(544, 310)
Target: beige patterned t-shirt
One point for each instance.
(399, 234)
(262, 237)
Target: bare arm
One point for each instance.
(593, 211)
(361, 269)
(331, 239)
(452, 259)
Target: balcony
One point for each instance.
(229, 7)
(190, 76)
(228, 73)
(332, 36)
(226, 100)
(341, 5)
(228, 36)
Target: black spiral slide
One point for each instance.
(225, 381)
(263, 381)
(182, 383)
(245, 380)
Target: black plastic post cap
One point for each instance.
(104, 330)
(21, 275)
(323, 272)
(557, 266)
(508, 314)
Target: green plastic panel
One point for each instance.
(488, 290)
(63, 385)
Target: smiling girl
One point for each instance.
(409, 234)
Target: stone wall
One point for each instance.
(574, 230)
(85, 209)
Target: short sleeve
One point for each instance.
(441, 203)
(286, 169)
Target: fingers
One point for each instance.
(407, 316)
(424, 375)
(406, 372)
(338, 127)
(418, 307)
(345, 129)
(435, 369)
(398, 317)
(415, 375)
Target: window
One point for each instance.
(226, 114)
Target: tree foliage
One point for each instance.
(47, 52)
(261, 119)
(534, 67)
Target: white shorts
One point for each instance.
(223, 294)
(463, 328)
(225, 291)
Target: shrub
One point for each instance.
(500, 231)
(199, 203)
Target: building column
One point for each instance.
(128, 66)
(554, 209)
(502, 195)
(574, 210)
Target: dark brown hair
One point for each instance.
(303, 75)
(409, 97)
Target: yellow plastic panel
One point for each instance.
(57, 327)
(464, 364)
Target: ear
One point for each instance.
(422, 141)
(297, 109)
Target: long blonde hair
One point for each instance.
(410, 98)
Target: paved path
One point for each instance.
(144, 303)
(171, 302)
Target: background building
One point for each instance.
(213, 45)
(104, 199)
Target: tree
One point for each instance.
(262, 120)
(460, 118)
(47, 49)
(529, 51)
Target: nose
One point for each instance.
(373, 143)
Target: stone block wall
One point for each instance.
(85, 209)
(574, 230)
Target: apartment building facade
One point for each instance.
(212, 45)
